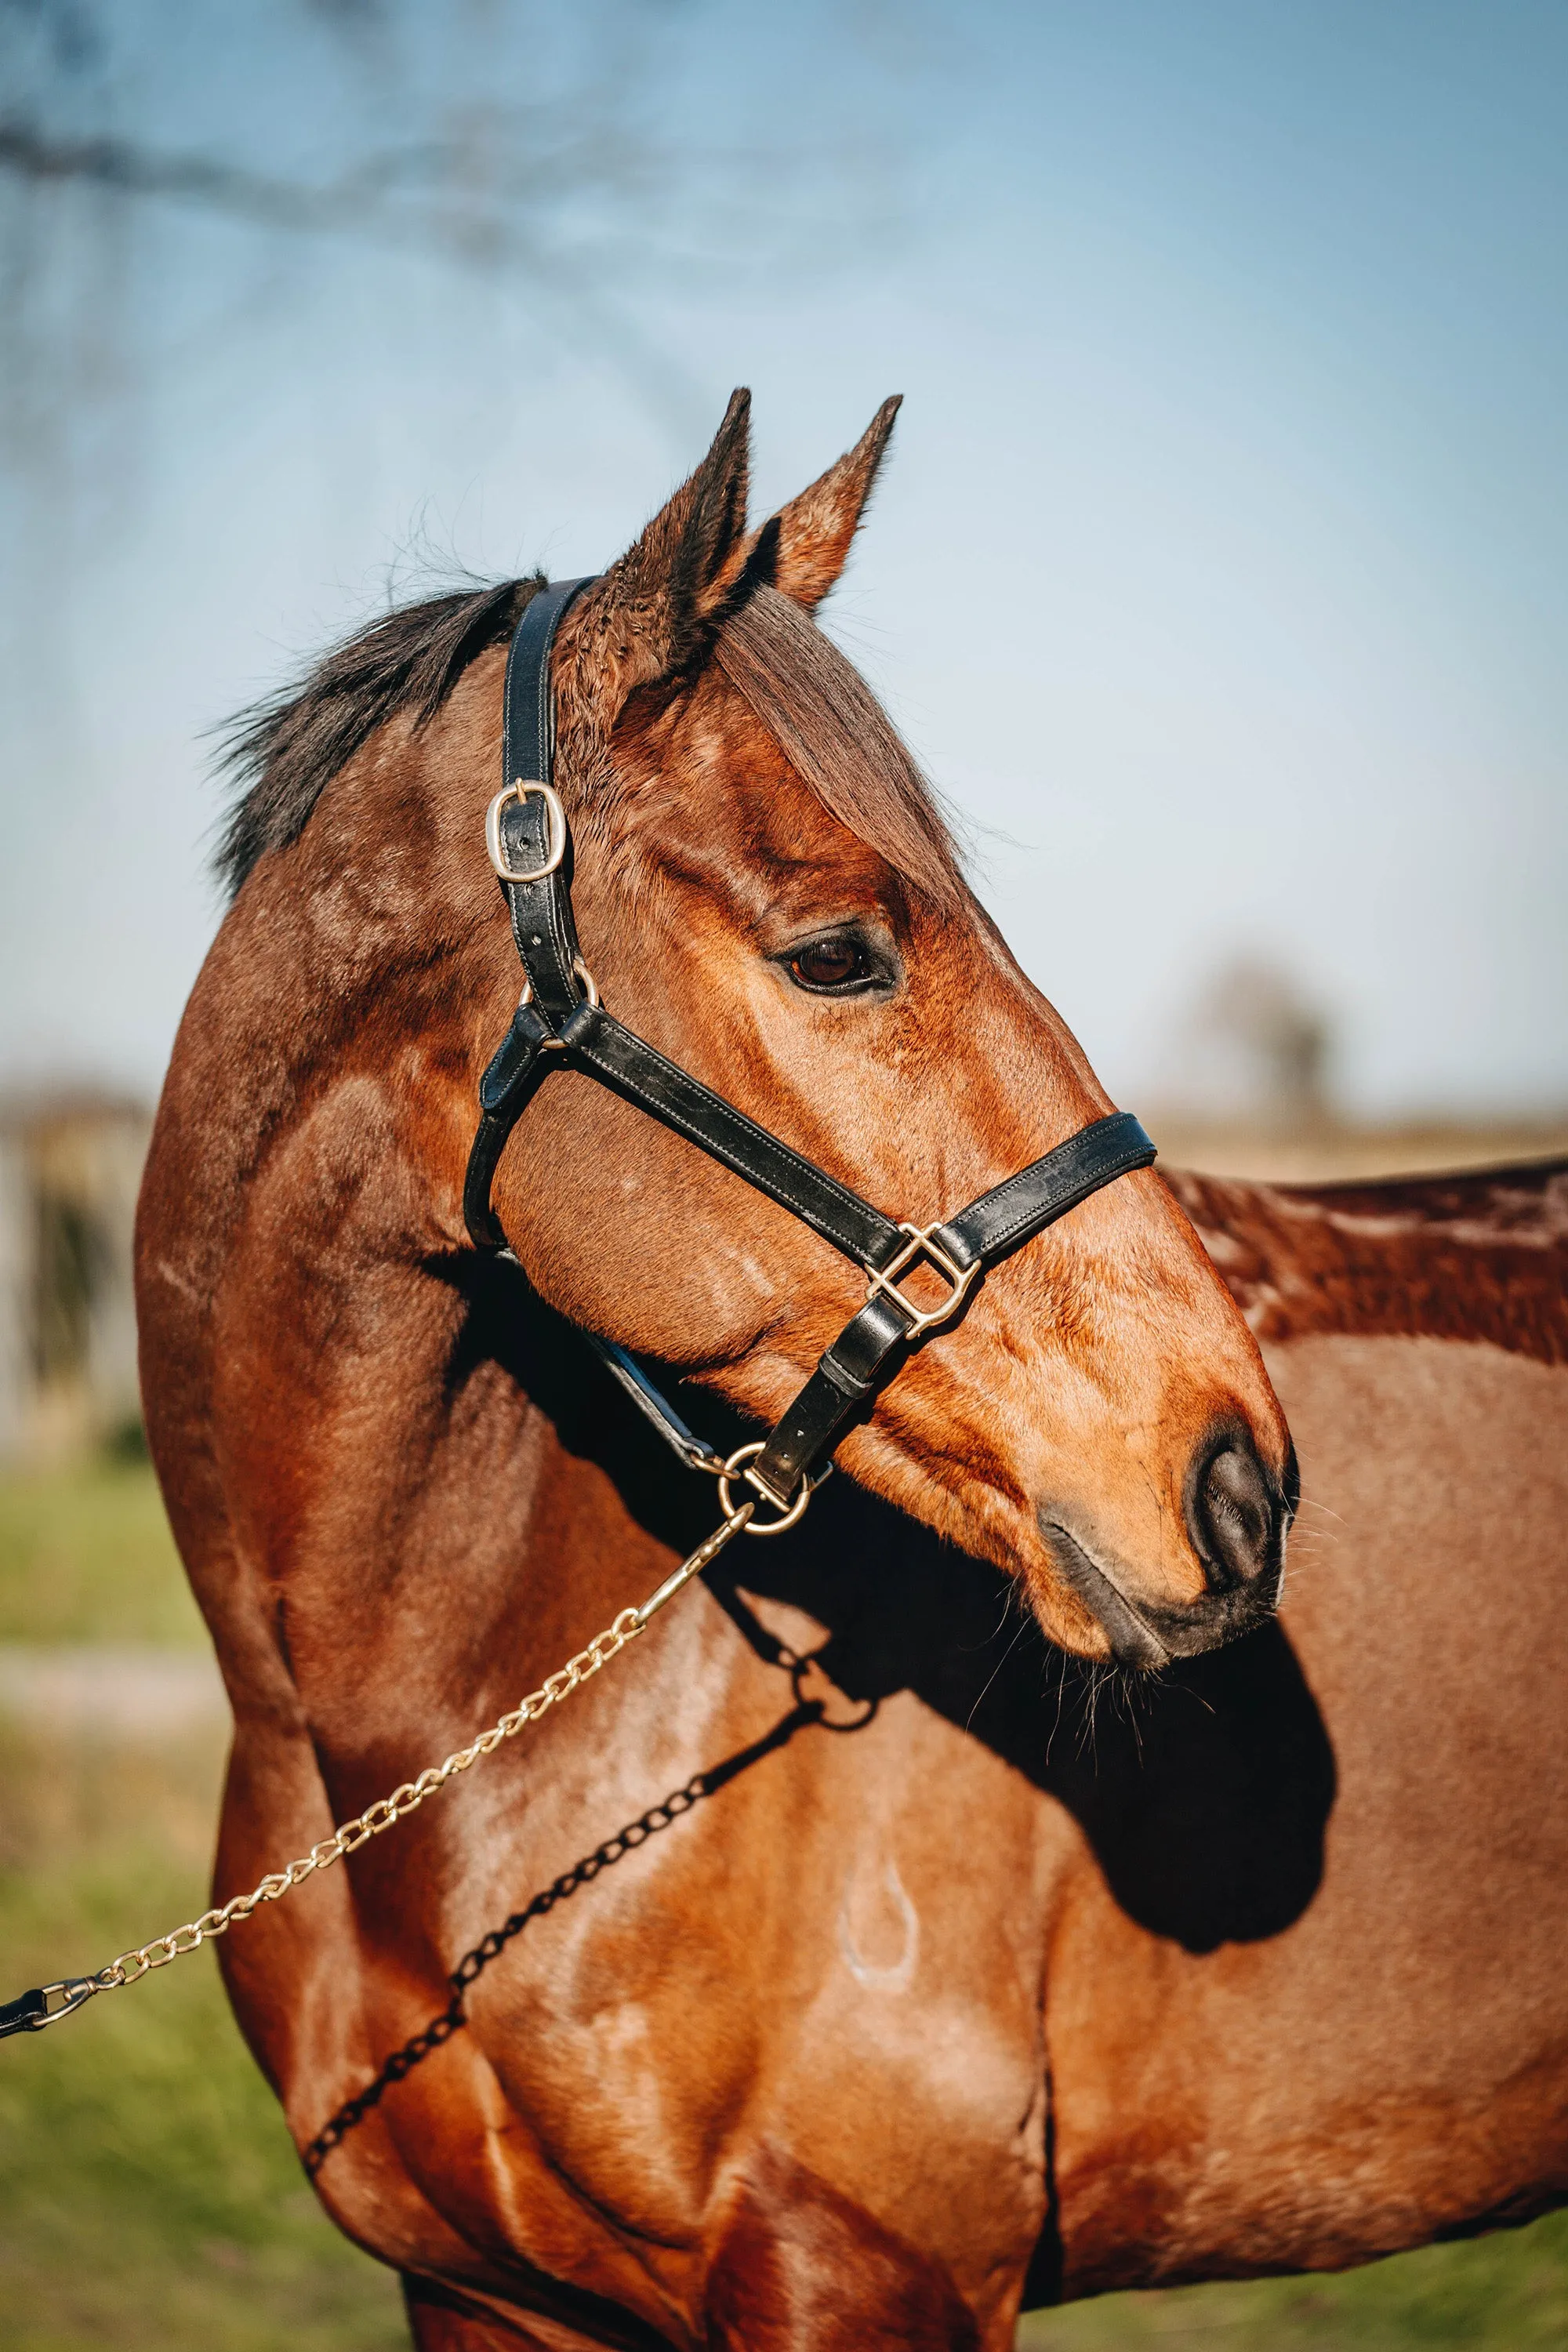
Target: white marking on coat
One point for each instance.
(883, 1911)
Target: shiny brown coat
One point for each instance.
(845, 1954)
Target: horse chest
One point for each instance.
(821, 1975)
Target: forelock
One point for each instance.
(839, 740)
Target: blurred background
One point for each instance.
(1218, 579)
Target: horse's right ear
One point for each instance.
(647, 617)
(804, 549)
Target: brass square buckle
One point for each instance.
(555, 834)
(923, 1247)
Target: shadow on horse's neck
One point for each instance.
(1205, 1793)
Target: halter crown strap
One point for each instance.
(560, 1019)
(528, 840)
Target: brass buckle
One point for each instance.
(922, 1245)
(556, 837)
(733, 1468)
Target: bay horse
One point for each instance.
(868, 1949)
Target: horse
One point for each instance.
(926, 1915)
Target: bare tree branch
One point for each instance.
(192, 179)
(550, 160)
(443, 191)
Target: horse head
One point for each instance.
(766, 890)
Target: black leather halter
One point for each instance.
(560, 1021)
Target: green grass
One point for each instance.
(86, 1556)
(149, 2194)
(1507, 2293)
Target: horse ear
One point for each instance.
(805, 547)
(645, 617)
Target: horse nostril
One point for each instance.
(1236, 1515)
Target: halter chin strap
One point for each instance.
(560, 1020)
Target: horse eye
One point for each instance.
(835, 966)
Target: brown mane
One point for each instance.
(284, 752)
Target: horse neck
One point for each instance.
(360, 1430)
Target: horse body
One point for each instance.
(835, 1958)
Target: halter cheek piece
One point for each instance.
(561, 1021)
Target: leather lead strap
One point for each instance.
(560, 1021)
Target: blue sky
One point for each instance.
(1219, 577)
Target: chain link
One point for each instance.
(51, 2002)
(132, 1966)
(473, 1964)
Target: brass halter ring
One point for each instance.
(733, 1469)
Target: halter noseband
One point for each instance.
(560, 1020)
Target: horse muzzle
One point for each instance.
(1238, 1517)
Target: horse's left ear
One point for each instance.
(804, 549)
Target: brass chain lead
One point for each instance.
(60, 2000)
